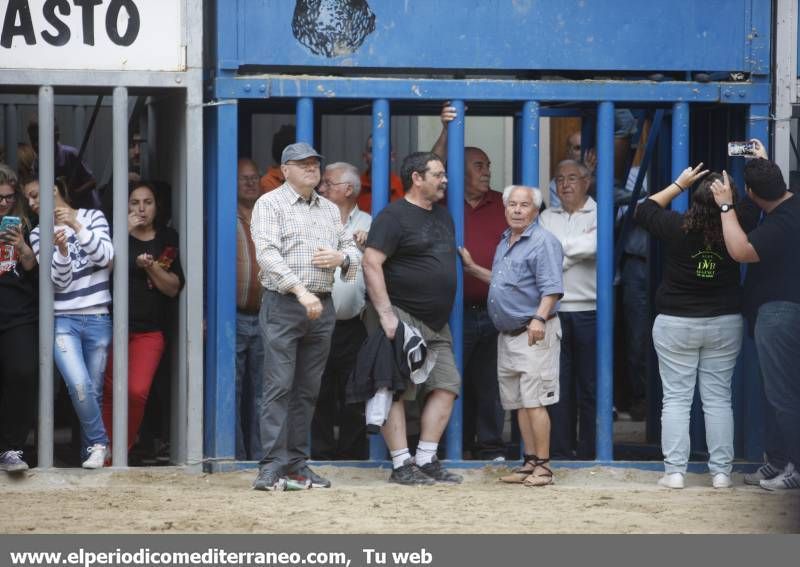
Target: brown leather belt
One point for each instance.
(517, 332)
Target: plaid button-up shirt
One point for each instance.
(287, 230)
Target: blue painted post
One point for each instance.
(455, 204)
(220, 388)
(381, 150)
(305, 120)
(530, 144)
(680, 150)
(605, 281)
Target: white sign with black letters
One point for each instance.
(136, 35)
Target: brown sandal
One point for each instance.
(542, 479)
(519, 474)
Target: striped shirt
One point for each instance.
(287, 230)
(81, 279)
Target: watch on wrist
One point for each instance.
(725, 207)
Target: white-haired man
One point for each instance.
(525, 284)
(341, 185)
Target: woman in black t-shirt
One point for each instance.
(156, 278)
(19, 336)
(698, 332)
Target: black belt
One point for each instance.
(517, 332)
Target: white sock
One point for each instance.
(399, 457)
(426, 451)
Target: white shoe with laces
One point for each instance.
(672, 480)
(790, 479)
(96, 458)
(721, 480)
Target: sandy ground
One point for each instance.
(593, 500)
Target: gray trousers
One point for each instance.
(295, 352)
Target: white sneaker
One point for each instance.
(721, 480)
(671, 480)
(97, 457)
(788, 480)
(764, 472)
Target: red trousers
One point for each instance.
(144, 354)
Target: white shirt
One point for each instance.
(577, 233)
(349, 298)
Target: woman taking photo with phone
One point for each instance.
(19, 335)
(155, 279)
(698, 331)
(81, 269)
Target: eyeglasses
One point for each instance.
(249, 178)
(560, 180)
(8, 198)
(304, 165)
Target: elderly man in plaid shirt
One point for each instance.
(300, 241)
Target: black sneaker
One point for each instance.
(269, 479)
(409, 474)
(305, 473)
(437, 472)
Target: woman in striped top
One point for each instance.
(81, 269)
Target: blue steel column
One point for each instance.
(220, 389)
(605, 281)
(305, 120)
(455, 203)
(381, 150)
(530, 144)
(680, 150)
(46, 322)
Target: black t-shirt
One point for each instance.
(420, 269)
(148, 308)
(19, 301)
(776, 276)
(698, 281)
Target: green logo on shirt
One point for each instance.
(707, 262)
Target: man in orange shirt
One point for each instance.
(273, 178)
(365, 197)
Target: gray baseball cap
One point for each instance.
(298, 151)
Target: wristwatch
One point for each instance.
(725, 207)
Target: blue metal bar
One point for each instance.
(381, 156)
(220, 386)
(530, 143)
(381, 153)
(294, 86)
(680, 150)
(305, 120)
(605, 281)
(455, 204)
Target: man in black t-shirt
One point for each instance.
(410, 271)
(772, 303)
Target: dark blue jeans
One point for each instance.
(778, 344)
(577, 387)
(484, 417)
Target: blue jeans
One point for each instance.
(778, 345)
(692, 350)
(577, 388)
(80, 353)
(249, 386)
(484, 416)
